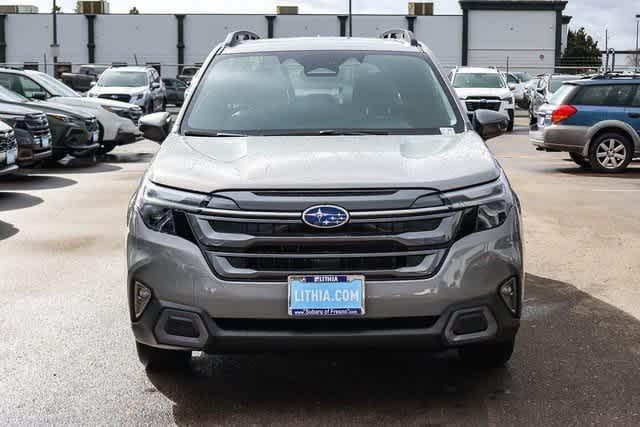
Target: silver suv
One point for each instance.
(318, 193)
(141, 86)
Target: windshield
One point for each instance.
(321, 92)
(53, 86)
(560, 94)
(557, 82)
(123, 78)
(478, 80)
(10, 96)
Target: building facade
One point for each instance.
(523, 35)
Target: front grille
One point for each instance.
(91, 124)
(385, 248)
(7, 141)
(487, 103)
(37, 124)
(116, 97)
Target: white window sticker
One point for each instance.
(447, 131)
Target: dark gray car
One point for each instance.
(321, 193)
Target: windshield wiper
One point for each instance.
(331, 132)
(214, 134)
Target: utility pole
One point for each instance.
(54, 47)
(350, 20)
(637, 37)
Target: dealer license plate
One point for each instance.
(326, 295)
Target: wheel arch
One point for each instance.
(612, 126)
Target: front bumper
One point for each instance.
(5, 169)
(27, 155)
(249, 315)
(68, 143)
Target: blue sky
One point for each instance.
(618, 15)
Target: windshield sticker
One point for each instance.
(447, 131)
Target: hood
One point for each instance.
(323, 162)
(464, 93)
(99, 90)
(91, 104)
(16, 109)
(54, 108)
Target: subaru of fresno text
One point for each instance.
(484, 88)
(318, 193)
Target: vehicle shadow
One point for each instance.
(7, 230)
(21, 181)
(632, 172)
(577, 362)
(75, 166)
(10, 201)
(127, 157)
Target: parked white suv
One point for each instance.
(141, 86)
(484, 88)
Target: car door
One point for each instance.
(618, 102)
(633, 110)
(158, 92)
(170, 86)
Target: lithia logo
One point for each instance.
(325, 216)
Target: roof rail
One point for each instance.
(615, 75)
(238, 36)
(400, 34)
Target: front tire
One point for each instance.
(610, 152)
(487, 355)
(161, 359)
(107, 147)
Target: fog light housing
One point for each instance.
(141, 298)
(509, 293)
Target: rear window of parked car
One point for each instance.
(605, 95)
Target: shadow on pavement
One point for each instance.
(76, 166)
(34, 182)
(7, 230)
(13, 201)
(577, 362)
(128, 157)
(632, 172)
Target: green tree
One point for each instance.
(134, 11)
(581, 51)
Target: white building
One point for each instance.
(525, 34)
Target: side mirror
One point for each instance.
(155, 85)
(489, 123)
(40, 96)
(512, 86)
(156, 126)
(92, 84)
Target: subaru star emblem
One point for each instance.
(325, 216)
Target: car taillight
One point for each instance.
(562, 113)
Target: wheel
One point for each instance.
(487, 355)
(610, 152)
(107, 147)
(580, 160)
(160, 359)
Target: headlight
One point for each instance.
(60, 117)
(92, 95)
(116, 110)
(137, 96)
(484, 206)
(154, 204)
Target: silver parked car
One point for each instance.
(324, 192)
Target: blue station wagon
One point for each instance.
(596, 120)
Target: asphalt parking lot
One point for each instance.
(68, 357)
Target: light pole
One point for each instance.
(637, 37)
(54, 46)
(350, 21)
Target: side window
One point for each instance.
(180, 84)
(635, 102)
(29, 87)
(512, 79)
(592, 95)
(620, 95)
(5, 80)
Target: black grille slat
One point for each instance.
(116, 97)
(325, 325)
